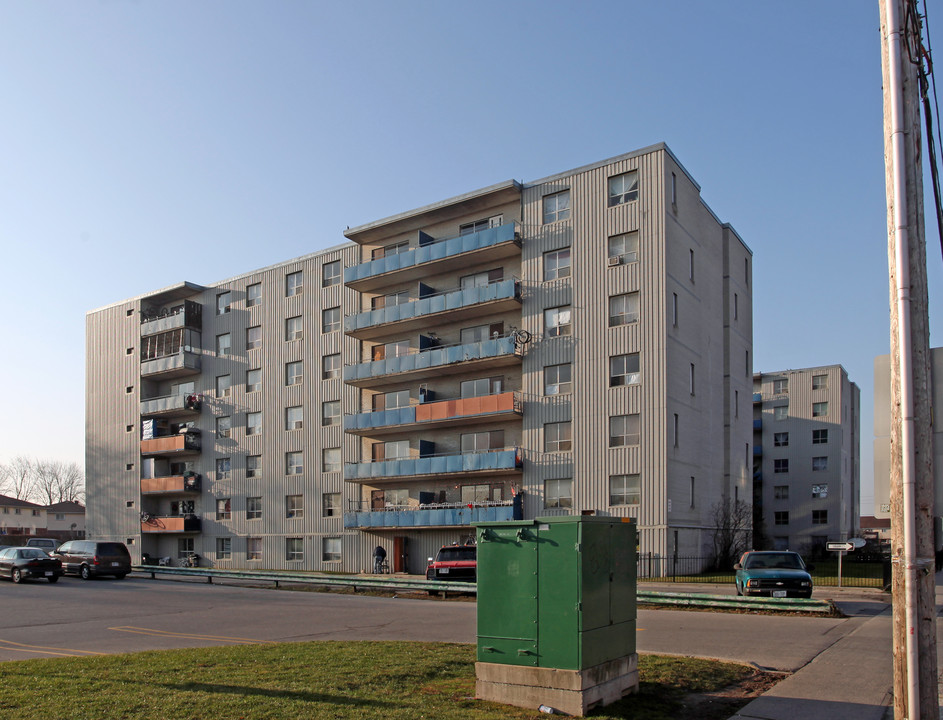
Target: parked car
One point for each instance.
(47, 544)
(454, 562)
(776, 573)
(90, 558)
(19, 563)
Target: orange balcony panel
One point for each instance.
(170, 444)
(170, 484)
(446, 409)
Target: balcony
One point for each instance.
(179, 444)
(490, 462)
(171, 485)
(442, 360)
(170, 524)
(757, 397)
(171, 366)
(757, 451)
(442, 413)
(442, 515)
(757, 423)
(171, 405)
(188, 315)
(452, 306)
(436, 257)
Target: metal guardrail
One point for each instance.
(389, 582)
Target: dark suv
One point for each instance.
(454, 562)
(88, 558)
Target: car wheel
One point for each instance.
(53, 578)
(85, 573)
(16, 575)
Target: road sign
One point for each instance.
(839, 546)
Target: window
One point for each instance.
(294, 463)
(294, 506)
(478, 333)
(331, 412)
(820, 491)
(224, 509)
(479, 225)
(781, 517)
(781, 465)
(692, 378)
(736, 306)
(294, 284)
(820, 409)
(819, 437)
(557, 264)
(691, 265)
(557, 437)
(623, 248)
(623, 188)
(223, 548)
(780, 387)
(393, 299)
(223, 344)
(819, 464)
(780, 412)
(294, 549)
(294, 329)
(331, 549)
(294, 373)
(184, 547)
(254, 295)
(674, 309)
(556, 207)
(482, 441)
(390, 401)
(224, 426)
(472, 388)
(623, 430)
(253, 466)
(254, 337)
(736, 403)
(331, 460)
(223, 468)
(294, 417)
(253, 380)
(820, 517)
(394, 249)
(623, 309)
(331, 504)
(481, 279)
(557, 321)
(693, 494)
(253, 548)
(223, 385)
(557, 379)
(331, 366)
(676, 430)
(624, 370)
(391, 450)
(674, 189)
(330, 319)
(781, 439)
(820, 382)
(558, 493)
(223, 302)
(331, 273)
(781, 492)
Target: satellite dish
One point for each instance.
(858, 542)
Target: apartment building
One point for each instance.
(807, 452)
(576, 344)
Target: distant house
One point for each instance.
(21, 517)
(875, 528)
(66, 517)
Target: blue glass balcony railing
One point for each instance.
(502, 290)
(434, 251)
(380, 418)
(479, 462)
(424, 516)
(757, 450)
(757, 424)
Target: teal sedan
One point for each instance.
(773, 573)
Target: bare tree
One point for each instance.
(18, 481)
(42, 481)
(732, 523)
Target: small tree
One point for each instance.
(732, 526)
(18, 478)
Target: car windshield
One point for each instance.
(789, 561)
(32, 553)
(451, 554)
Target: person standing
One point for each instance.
(379, 555)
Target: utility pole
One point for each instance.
(911, 466)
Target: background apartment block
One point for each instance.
(807, 456)
(578, 344)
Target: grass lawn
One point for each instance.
(332, 680)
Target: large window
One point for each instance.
(624, 248)
(390, 400)
(820, 382)
(557, 379)
(223, 303)
(294, 372)
(254, 337)
(254, 548)
(478, 388)
(394, 249)
(820, 491)
(223, 468)
(254, 295)
(331, 460)
(780, 412)
(819, 464)
(557, 264)
(556, 206)
(330, 319)
(223, 548)
(294, 417)
(819, 409)
(781, 386)
(294, 549)
(625, 490)
(483, 441)
(294, 506)
(623, 188)
(331, 549)
(253, 508)
(331, 273)
(820, 437)
(624, 370)
(223, 385)
(780, 492)
(294, 284)
(331, 412)
(479, 333)
(253, 380)
(820, 517)
(623, 430)
(781, 439)
(623, 309)
(331, 366)
(294, 463)
(331, 504)
(557, 321)
(224, 426)
(224, 509)
(481, 279)
(781, 517)
(558, 493)
(558, 437)
(781, 465)
(253, 466)
(223, 345)
(294, 328)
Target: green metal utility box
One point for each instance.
(560, 593)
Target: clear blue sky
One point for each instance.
(146, 143)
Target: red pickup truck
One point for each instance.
(458, 563)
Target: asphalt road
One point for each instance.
(76, 618)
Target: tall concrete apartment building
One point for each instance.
(576, 345)
(807, 449)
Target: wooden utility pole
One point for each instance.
(911, 465)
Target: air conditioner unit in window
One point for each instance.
(617, 260)
(297, 425)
